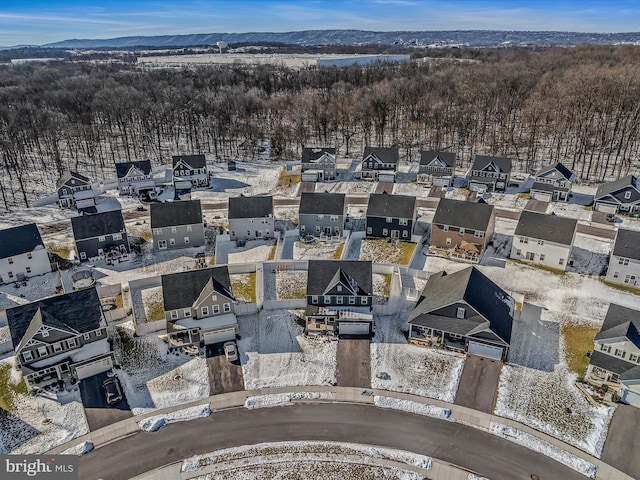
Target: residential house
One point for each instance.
(190, 170)
(251, 218)
(60, 339)
(437, 168)
(199, 307)
(461, 230)
(615, 359)
(624, 263)
(134, 177)
(101, 236)
(490, 174)
(22, 253)
(620, 196)
(177, 225)
(318, 164)
(74, 191)
(339, 297)
(390, 216)
(553, 184)
(463, 311)
(379, 163)
(544, 240)
(322, 214)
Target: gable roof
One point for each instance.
(427, 156)
(89, 226)
(18, 240)
(76, 311)
(181, 290)
(171, 214)
(322, 203)
(123, 168)
(481, 161)
(323, 274)
(250, 207)
(612, 187)
(477, 290)
(627, 244)
(395, 206)
(194, 161)
(458, 213)
(384, 154)
(551, 228)
(68, 174)
(621, 322)
(310, 154)
(562, 170)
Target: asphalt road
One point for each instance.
(458, 444)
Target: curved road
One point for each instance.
(458, 444)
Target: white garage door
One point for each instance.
(485, 350)
(478, 187)
(353, 328)
(93, 368)
(441, 182)
(218, 336)
(542, 196)
(606, 208)
(632, 398)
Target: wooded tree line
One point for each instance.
(576, 105)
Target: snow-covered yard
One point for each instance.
(385, 251)
(37, 287)
(291, 284)
(254, 251)
(315, 250)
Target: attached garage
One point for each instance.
(541, 196)
(218, 336)
(93, 368)
(632, 398)
(387, 177)
(478, 187)
(484, 350)
(441, 181)
(354, 328)
(606, 207)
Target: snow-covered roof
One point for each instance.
(84, 194)
(208, 323)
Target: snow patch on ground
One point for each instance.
(154, 423)
(280, 399)
(412, 407)
(291, 284)
(258, 253)
(80, 449)
(315, 250)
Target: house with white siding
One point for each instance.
(624, 263)
(22, 253)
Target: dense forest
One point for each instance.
(576, 105)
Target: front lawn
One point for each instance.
(577, 340)
(8, 388)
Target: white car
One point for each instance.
(230, 351)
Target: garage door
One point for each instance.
(353, 328)
(94, 368)
(478, 187)
(606, 208)
(542, 196)
(485, 350)
(441, 182)
(632, 398)
(218, 336)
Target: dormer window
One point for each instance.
(27, 356)
(460, 311)
(445, 228)
(10, 260)
(44, 333)
(339, 288)
(627, 195)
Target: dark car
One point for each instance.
(112, 390)
(611, 217)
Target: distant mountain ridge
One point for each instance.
(474, 38)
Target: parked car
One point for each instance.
(230, 351)
(611, 217)
(112, 390)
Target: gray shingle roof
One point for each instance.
(322, 203)
(79, 311)
(384, 154)
(458, 213)
(185, 212)
(449, 158)
(123, 168)
(250, 207)
(470, 285)
(551, 228)
(612, 187)
(481, 161)
(564, 171)
(321, 273)
(309, 154)
(395, 206)
(18, 240)
(181, 290)
(621, 322)
(89, 226)
(627, 244)
(194, 161)
(68, 174)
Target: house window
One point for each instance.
(42, 351)
(630, 279)
(320, 217)
(64, 367)
(27, 356)
(189, 228)
(618, 353)
(172, 241)
(83, 255)
(460, 312)
(186, 312)
(86, 336)
(445, 228)
(117, 236)
(204, 311)
(327, 299)
(314, 299)
(99, 333)
(623, 261)
(57, 347)
(10, 260)
(478, 234)
(216, 309)
(542, 257)
(561, 261)
(455, 336)
(339, 288)
(214, 298)
(403, 221)
(174, 315)
(540, 242)
(317, 228)
(352, 300)
(101, 238)
(334, 218)
(462, 230)
(363, 300)
(605, 348)
(186, 240)
(448, 241)
(627, 195)
(248, 233)
(389, 219)
(28, 269)
(524, 240)
(157, 231)
(226, 307)
(44, 333)
(405, 234)
(633, 358)
(519, 252)
(10, 274)
(174, 229)
(616, 274)
(339, 300)
(29, 255)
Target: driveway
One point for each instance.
(621, 446)
(478, 383)
(353, 363)
(98, 413)
(224, 376)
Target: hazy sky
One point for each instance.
(42, 21)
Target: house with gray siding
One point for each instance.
(490, 174)
(322, 214)
(339, 297)
(437, 168)
(379, 164)
(463, 311)
(390, 216)
(190, 169)
(134, 177)
(624, 263)
(60, 339)
(553, 184)
(318, 164)
(620, 196)
(101, 236)
(177, 225)
(251, 218)
(74, 191)
(22, 253)
(199, 307)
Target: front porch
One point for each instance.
(429, 337)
